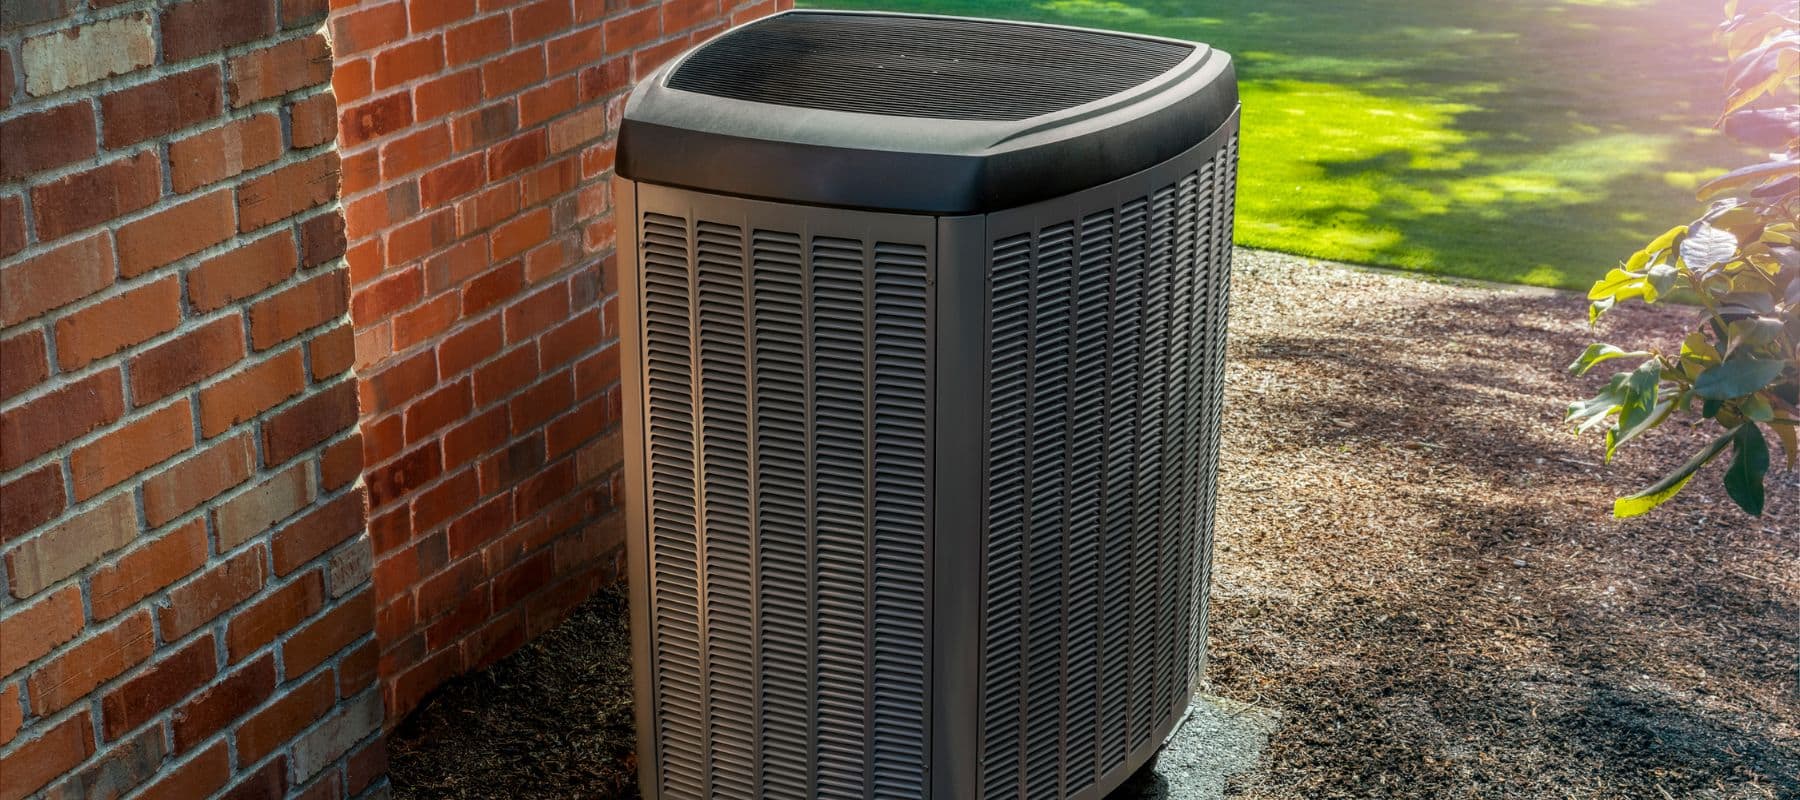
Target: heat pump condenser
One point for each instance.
(923, 326)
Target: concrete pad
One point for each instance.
(1219, 739)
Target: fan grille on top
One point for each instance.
(923, 66)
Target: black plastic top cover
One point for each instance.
(924, 114)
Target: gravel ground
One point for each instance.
(1415, 570)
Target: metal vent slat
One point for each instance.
(1123, 387)
(1083, 476)
(899, 631)
(922, 66)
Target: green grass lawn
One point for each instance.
(1528, 141)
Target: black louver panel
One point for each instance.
(787, 392)
(1106, 340)
(922, 66)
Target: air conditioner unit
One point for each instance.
(923, 328)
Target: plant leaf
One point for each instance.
(1749, 466)
(1737, 377)
(1788, 431)
(1597, 354)
(1752, 176)
(1647, 500)
(1619, 286)
(1706, 247)
(1638, 410)
(1771, 128)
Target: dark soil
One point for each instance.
(1415, 566)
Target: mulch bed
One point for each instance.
(1415, 565)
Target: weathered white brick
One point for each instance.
(258, 509)
(350, 724)
(350, 566)
(70, 547)
(65, 59)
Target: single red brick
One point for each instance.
(199, 777)
(532, 315)
(201, 600)
(321, 529)
(512, 72)
(454, 179)
(56, 418)
(574, 51)
(468, 346)
(184, 486)
(287, 191)
(161, 685)
(680, 15)
(313, 121)
(224, 702)
(35, 762)
(206, 26)
(332, 352)
(352, 79)
(549, 100)
(6, 79)
(309, 422)
(12, 715)
(628, 31)
(219, 153)
(30, 500)
(30, 633)
(12, 225)
(55, 278)
(569, 340)
(397, 290)
(118, 322)
(436, 410)
(264, 620)
(296, 13)
(415, 151)
(375, 118)
(32, 143)
(542, 18)
(476, 437)
(538, 404)
(251, 392)
(323, 638)
(368, 28)
(89, 198)
(453, 267)
(148, 569)
(414, 59)
(594, 374)
(502, 377)
(161, 106)
(483, 126)
(546, 182)
(141, 444)
(520, 234)
(23, 363)
(517, 154)
(367, 764)
(315, 302)
(256, 510)
(240, 273)
(425, 321)
(393, 481)
(95, 660)
(357, 671)
(479, 39)
(446, 93)
(493, 288)
(341, 463)
(171, 366)
(176, 232)
(321, 239)
(605, 79)
(423, 15)
(274, 71)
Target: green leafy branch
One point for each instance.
(1739, 265)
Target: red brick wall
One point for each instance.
(186, 601)
(477, 141)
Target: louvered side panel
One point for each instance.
(725, 494)
(1119, 577)
(783, 435)
(898, 739)
(1223, 188)
(840, 374)
(1085, 470)
(1180, 507)
(1046, 543)
(673, 517)
(1147, 540)
(1002, 644)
